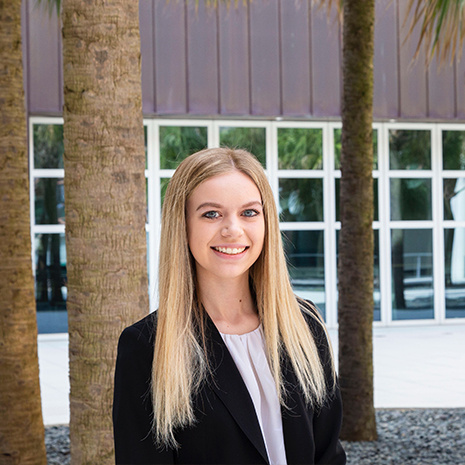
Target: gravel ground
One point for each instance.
(413, 437)
(405, 437)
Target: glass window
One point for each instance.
(454, 255)
(412, 274)
(147, 241)
(338, 145)
(146, 200)
(177, 142)
(145, 147)
(48, 146)
(375, 199)
(410, 149)
(410, 199)
(453, 150)
(454, 199)
(305, 256)
(376, 288)
(251, 139)
(49, 201)
(51, 282)
(163, 186)
(301, 199)
(300, 149)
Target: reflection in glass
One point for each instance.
(412, 274)
(454, 199)
(163, 186)
(375, 199)
(48, 146)
(305, 256)
(301, 199)
(146, 200)
(410, 149)
(454, 255)
(51, 283)
(453, 150)
(300, 149)
(410, 199)
(177, 142)
(49, 201)
(338, 145)
(376, 288)
(145, 146)
(251, 139)
(147, 241)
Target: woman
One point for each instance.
(232, 368)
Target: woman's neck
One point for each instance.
(230, 305)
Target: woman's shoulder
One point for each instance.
(311, 314)
(317, 326)
(140, 334)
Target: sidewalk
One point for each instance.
(414, 367)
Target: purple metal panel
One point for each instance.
(264, 58)
(460, 86)
(170, 57)
(202, 59)
(147, 55)
(25, 51)
(45, 62)
(234, 72)
(295, 58)
(441, 89)
(412, 73)
(385, 69)
(326, 63)
(253, 62)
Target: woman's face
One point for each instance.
(225, 226)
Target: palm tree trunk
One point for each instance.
(21, 424)
(356, 238)
(105, 207)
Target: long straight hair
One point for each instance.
(180, 364)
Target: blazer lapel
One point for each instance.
(228, 385)
(297, 421)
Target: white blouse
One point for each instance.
(248, 353)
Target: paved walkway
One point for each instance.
(415, 367)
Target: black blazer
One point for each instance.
(227, 429)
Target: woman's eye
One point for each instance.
(250, 213)
(211, 215)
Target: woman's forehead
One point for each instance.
(232, 185)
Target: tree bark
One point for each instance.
(355, 266)
(21, 425)
(105, 207)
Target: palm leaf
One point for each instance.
(330, 4)
(50, 5)
(442, 27)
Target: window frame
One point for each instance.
(329, 225)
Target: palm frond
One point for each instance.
(50, 5)
(442, 29)
(329, 5)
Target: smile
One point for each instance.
(230, 251)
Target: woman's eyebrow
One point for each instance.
(253, 203)
(217, 205)
(208, 204)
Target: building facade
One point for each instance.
(266, 76)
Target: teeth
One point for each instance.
(229, 251)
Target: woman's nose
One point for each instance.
(231, 228)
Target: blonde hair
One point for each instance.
(180, 363)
